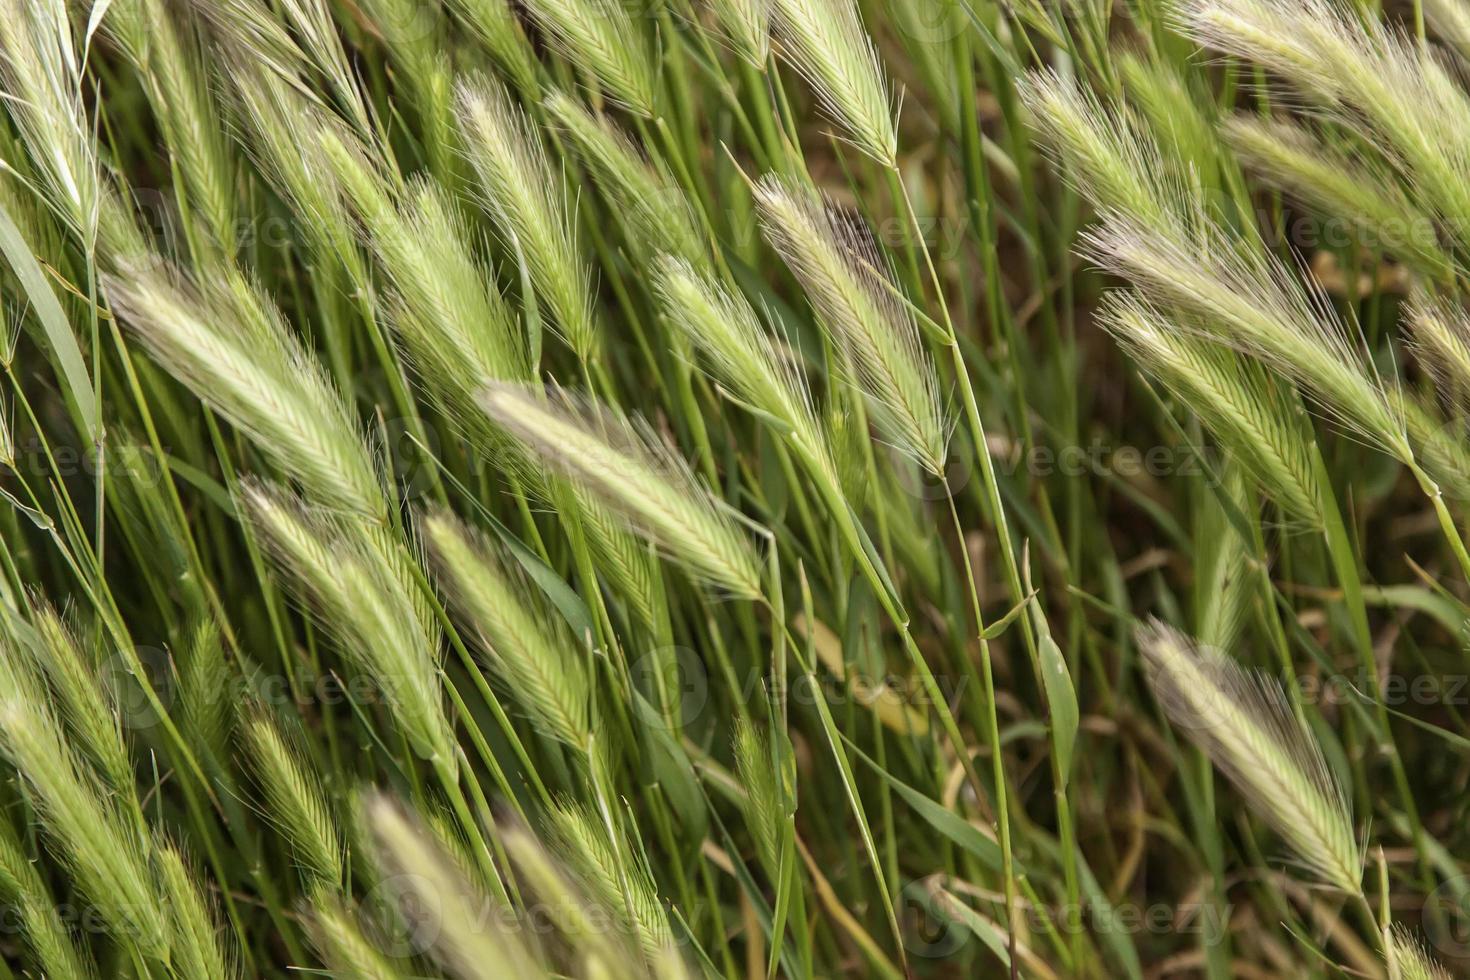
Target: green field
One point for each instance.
(734, 488)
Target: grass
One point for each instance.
(739, 488)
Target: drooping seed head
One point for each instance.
(524, 195)
(1244, 722)
(635, 476)
(601, 37)
(849, 284)
(824, 41)
(531, 650)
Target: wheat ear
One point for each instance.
(1407, 959)
(764, 802)
(495, 23)
(88, 709)
(167, 55)
(229, 345)
(107, 861)
(42, 75)
(623, 887)
(341, 944)
(1109, 158)
(645, 194)
(1451, 21)
(727, 331)
(1377, 81)
(1338, 184)
(747, 25)
(851, 288)
(1239, 403)
(197, 950)
(1441, 342)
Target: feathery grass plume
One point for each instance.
(42, 77)
(165, 52)
(562, 900)
(440, 825)
(90, 714)
(1249, 300)
(1439, 442)
(466, 941)
(1175, 115)
(445, 309)
(495, 23)
(229, 345)
(361, 599)
(41, 81)
(250, 31)
(1407, 959)
(1113, 162)
(526, 198)
(282, 125)
(1179, 256)
(195, 950)
(1370, 75)
(459, 332)
(747, 26)
(1451, 21)
(343, 948)
(824, 41)
(602, 38)
(725, 328)
(635, 475)
(314, 26)
(1441, 342)
(295, 802)
(1291, 37)
(529, 646)
(629, 565)
(1340, 185)
(1239, 403)
(76, 812)
(622, 886)
(763, 804)
(1244, 723)
(643, 193)
(410, 32)
(849, 284)
(36, 910)
(151, 527)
